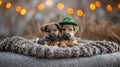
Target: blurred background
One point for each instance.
(24, 17)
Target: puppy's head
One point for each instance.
(68, 31)
(52, 31)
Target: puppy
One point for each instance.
(51, 34)
(68, 36)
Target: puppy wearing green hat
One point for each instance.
(68, 30)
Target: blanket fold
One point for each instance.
(21, 45)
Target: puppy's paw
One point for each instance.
(55, 46)
(36, 40)
(45, 45)
(64, 46)
(76, 44)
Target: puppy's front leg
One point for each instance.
(75, 43)
(36, 40)
(47, 43)
(64, 43)
(56, 43)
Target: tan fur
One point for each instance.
(53, 28)
(55, 43)
(70, 30)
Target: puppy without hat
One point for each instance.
(51, 34)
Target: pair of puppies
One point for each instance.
(59, 35)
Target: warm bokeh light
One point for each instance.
(41, 6)
(23, 12)
(49, 2)
(60, 5)
(70, 11)
(92, 6)
(0, 2)
(18, 8)
(119, 6)
(8, 5)
(98, 4)
(109, 7)
(79, 12)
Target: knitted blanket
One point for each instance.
(85, 49)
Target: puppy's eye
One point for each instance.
(70, 29)
(55, 30)
(47, 30)
(63, 29)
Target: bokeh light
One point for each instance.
(109, 7)
(98, 4)
(18, 8)
(49, 2)
(70, 10)
(60, 5)
(79, 12)
(119, 6)
(8, 5)
(41, 6)
(0, 2)
(92, 6)
(23, 12)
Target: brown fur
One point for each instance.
(53, 28)
(69, 29)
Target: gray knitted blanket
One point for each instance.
(85, 49)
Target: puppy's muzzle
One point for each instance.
(66, 36)
(52, 36)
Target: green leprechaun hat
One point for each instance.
(68, 20)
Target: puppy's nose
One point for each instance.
(66, 36)
(52, 36)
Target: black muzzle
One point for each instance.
(66, 36)
(52, 37)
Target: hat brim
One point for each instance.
(71, 23)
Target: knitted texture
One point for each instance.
(85, 49)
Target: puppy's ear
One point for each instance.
(76, 28)
(58, 25)
(44, 28)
